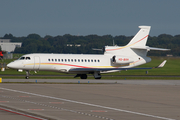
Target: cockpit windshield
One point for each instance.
(28, 58)
(24, 58)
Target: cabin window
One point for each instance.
(68, 60)
(91, 60)
(85, 60)
(58, 60)
(88, 60)
(94, 60)
(75, 60)
(62, 60)
(65, 60)
(52, 59)
(71, 60)
(49, 60)
(82, 60)
(98, 60)
(78, 60)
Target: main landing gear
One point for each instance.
(84, 76)
(97, 75)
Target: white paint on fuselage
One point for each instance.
(64, 62)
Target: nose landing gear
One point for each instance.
(27, 74)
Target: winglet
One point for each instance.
(162, 64)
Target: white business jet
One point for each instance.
(115, 58)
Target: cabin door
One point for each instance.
(36, 62)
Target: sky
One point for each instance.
(87, 17)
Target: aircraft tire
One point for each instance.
(27, 77)
(83, 76)
(98, 78)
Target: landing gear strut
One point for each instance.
(97, 75)
(27, 74)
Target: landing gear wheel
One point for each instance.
(83, 76)
(27, 74)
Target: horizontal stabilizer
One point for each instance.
(149, 48)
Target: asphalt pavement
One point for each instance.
(107, 100)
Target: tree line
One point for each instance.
(34, 43)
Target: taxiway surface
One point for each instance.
(121, 99)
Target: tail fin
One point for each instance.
(137, 46)
(141, 37)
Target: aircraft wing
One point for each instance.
(109, 69)
(101, 69)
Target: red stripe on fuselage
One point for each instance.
(67, 65)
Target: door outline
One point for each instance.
(36, 62)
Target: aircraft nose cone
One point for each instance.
(10, 65)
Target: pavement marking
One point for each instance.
(89, 104)
(19, 113)
(36, 109)
(98, 110)
(4, 101)
(24, 96)
(91, 115)
(56, 102)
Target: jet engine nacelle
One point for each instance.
(121, 59)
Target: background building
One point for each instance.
(8, 46)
